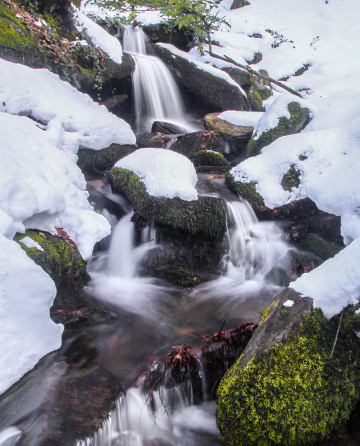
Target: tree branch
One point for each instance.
(255, 73)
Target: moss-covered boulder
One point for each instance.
(210, 92)
(95, 161)
(62, 262)
(320, 246)
(206, 215)
(257, 90)
(209, 158)
(237, 136)
(299, 117)
(191, 144)
(288, 388)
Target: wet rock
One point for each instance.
(235, 135)
(191, 144)
(206, 215)
(299, 117)
(167, 127)
(64, 264)
(287, 387)
(157, 139)
(211, 92)
(94, 161)
(209, 158)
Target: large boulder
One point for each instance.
(212, 93)
(235, 135)
(206, 215)
(160, 32)
(299, 117)
(58, 257)
(297, 380)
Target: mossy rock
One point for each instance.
(206, 215)
(286, 389)
(95, 161)
(209, 158)
(245, 190)
(257, 90)
(64, 265)
(180, 276)
(299, 117)
(291, 179)
(190, 144)
(15, 38)
(319, 246)
(156, 139)
(209, 91)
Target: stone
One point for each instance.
(63, 263)
(287, 388)
(206, 215)
(94, 161)
(156, 139)
(210, 92)
(299, 117)
(191, 144)
(167, 127)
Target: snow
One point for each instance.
(288, 303)
(164, 173)
(241, 118)
(101, 38)
(30, 243)
(73, 118)
(26, 295)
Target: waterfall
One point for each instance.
(255, 248)
(156, 95)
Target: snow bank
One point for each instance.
(164, 173)
(101, 38)
(26, 295)
(42, 187)
(75, 119)
(335, 283)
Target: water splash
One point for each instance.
(156, 95)
(10, 436)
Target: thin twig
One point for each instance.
(336, 337)
(255, 73)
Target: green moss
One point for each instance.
(291, 179)
(286, 126)
(14, 36)
(64, 265)
(245, 190)
(294, 395)
(319, 246)
(266, 312)
(206, 215)
(209, 158)
(181, 276)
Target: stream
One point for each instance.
(130, 318)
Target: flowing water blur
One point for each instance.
(155, 93)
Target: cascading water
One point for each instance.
(156, 95)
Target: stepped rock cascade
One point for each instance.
(156, 95)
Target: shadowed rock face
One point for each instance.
(211, 92)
